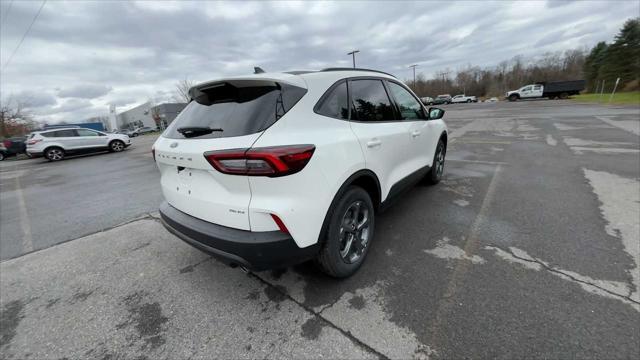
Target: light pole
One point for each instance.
(353, 53)
(414, 75)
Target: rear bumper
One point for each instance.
(254, 250)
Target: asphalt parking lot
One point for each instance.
(529, 248)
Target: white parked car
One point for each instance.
(140, 131)
(55, 144)
(463, 99)
(272, 169)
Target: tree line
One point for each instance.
(603, 62)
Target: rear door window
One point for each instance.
(335, 103)
(370, 101)
(227, 110)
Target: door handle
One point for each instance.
(373, 143)
(415, 133)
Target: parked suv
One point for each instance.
(55, 144)
(442, 99)
(272, 169)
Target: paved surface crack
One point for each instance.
(143, 216)
(317, 314)
(569, 276)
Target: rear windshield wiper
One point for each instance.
(193, 131)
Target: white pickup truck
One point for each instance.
(463, 99)
(551, 90)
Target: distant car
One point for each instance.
(141, 131)
(12, 147)
(463, 99)
(442, 99)
(427, 100)
(55, 144)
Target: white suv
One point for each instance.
(272, 169)
(55, 144)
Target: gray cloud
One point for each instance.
(85, 91)
(128, 52)
(34, 99)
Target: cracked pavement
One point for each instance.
(529, 248)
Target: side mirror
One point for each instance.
(435, 113)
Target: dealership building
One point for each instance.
(142, 115)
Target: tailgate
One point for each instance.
(191, 185)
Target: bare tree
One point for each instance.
(14, 119)
(182, 90)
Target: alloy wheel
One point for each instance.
(440, 161)
(117, 146)
(55, 154)
(354, 232)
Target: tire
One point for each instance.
(134, 135)
(341, 255)
(564, 96)
(54, 154)
(468, 101)
(116, 146)
(437, 167)
(513, 97)
(1, 156)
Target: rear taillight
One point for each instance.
(266, 161)
(7, 143)
(33, 141)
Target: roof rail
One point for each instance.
(354, 69)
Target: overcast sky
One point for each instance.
(81, 56)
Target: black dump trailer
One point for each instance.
(562, 89)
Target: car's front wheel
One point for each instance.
(116, 146)
(54, 154)
(1, 156)
(349, 234)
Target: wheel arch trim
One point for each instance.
(353, 179)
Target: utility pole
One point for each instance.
(444, 76)
(414, 75)
(353, 53)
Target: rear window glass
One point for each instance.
(227, 110)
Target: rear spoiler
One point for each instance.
(255, 80)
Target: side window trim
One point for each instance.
(394, 102)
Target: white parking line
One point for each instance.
(27, 239)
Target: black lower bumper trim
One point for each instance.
(254, 250)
